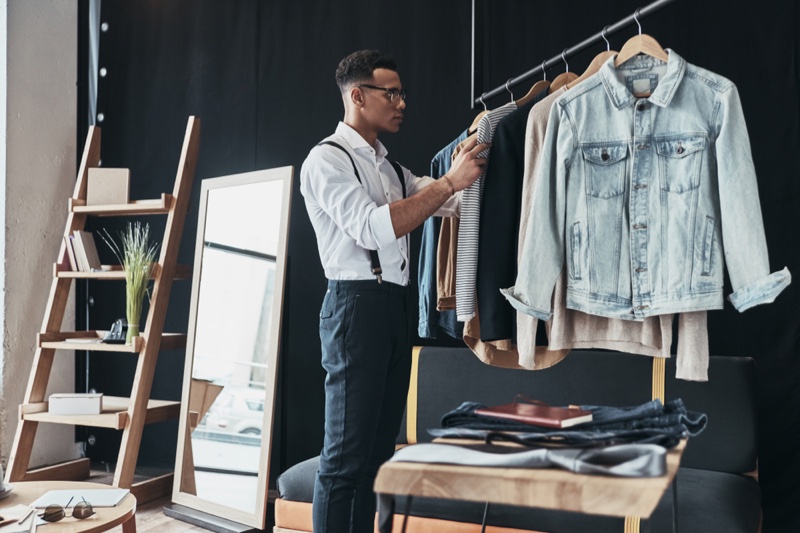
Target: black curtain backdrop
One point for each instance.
(260, 75)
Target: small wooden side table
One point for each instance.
(547, 488)
(26, 492)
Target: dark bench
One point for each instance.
(716, 485)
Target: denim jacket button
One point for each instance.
(642, 107)
(680, 149)
(604, 156)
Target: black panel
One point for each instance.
(728, 444)
(260, 76)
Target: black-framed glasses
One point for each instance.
(54, 512)
(391, 91)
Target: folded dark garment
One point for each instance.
(650, 422)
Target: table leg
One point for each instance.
(675, 504)
(485, 514)
(385, 512)
(406, 512)
(129, 526)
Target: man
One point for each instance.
(357, 204)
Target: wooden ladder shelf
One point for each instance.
(126, 414)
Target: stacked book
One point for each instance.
(82, 251)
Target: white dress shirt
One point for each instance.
(351, 218)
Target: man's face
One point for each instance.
(383, 113)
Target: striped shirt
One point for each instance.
(469, 225)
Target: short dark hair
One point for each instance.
(358, 67)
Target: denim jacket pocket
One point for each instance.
(575, 249)
(605, 169)
(708, 247)
(679, 161)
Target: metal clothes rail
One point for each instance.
(560, 58)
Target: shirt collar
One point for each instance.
(357, 142)
(667, 86)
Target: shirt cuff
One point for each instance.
(522, 306)
(762, 291)
(381, 223)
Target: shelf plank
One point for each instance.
(115, 272)
(75, 470)
(172, 341)
(114, 415)
(86, 340)
(151, 489)
(159, 206)
(91, 341)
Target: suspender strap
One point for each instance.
(399, 170)
(374, 260)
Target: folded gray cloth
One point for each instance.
(624, 460)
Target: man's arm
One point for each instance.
(409, 213)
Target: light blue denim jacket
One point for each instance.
(646, 198)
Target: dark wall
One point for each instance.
(260, 76)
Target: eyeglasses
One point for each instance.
(54, 513)
(391, 91)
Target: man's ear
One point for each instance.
(357, 97)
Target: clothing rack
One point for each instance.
(560, 58)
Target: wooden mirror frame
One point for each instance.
(184, 473)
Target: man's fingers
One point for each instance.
(478, 148)
(471, 143)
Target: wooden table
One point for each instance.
(25, 492)
(547, 488)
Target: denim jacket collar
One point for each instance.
(667, 86)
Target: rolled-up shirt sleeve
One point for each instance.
(331, 185)
(414, 184)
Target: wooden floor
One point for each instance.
(151, 517)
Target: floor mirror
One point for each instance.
(228, 398)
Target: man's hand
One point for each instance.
(467, 166)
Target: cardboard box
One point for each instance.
(107, 186)
(75, 403)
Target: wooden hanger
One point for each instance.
(640, 44)
(538, 87)
(593, 67)
(474, 126)
(563, 78)
(596, 63)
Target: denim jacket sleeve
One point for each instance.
(542, 252)
(743, 235)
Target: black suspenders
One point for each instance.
(373, 254)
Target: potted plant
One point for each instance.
(137, 256)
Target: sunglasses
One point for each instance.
(54, 513)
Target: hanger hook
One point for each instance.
(564, 59)
(636, 18)
(603, 35)
(480, 98)
(509, 89)
(544, 71)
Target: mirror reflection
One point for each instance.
(236, 297)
